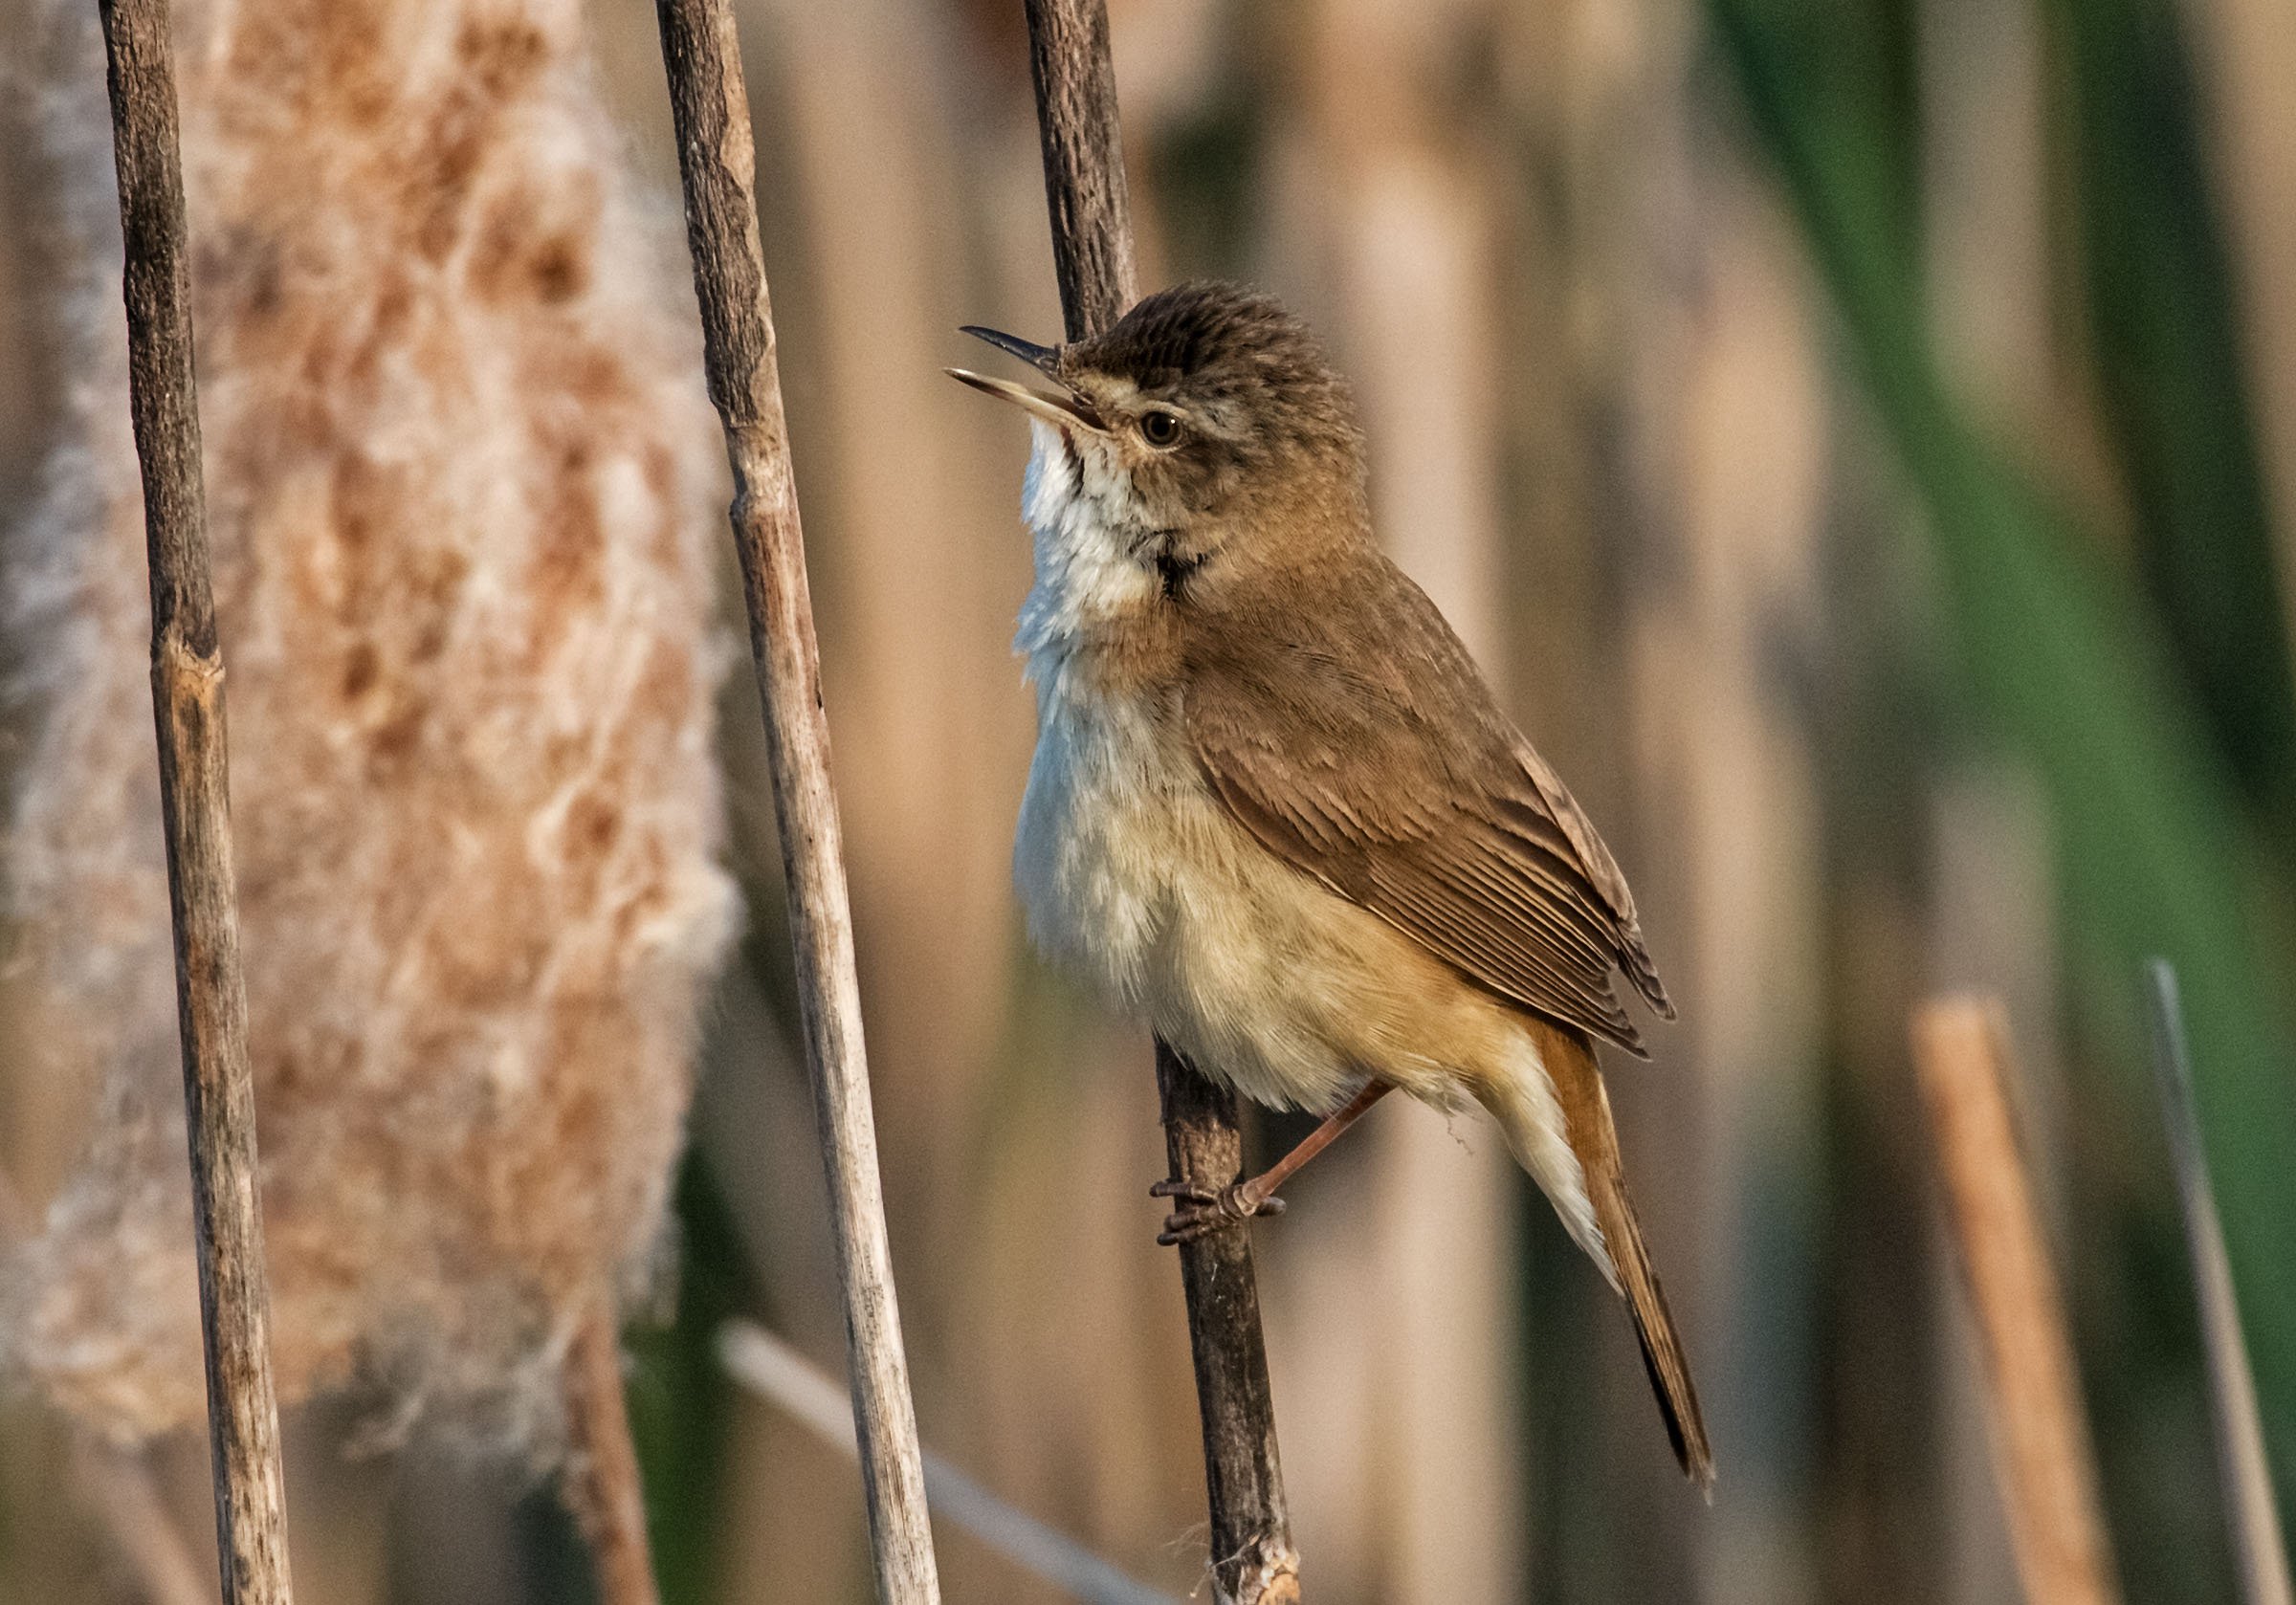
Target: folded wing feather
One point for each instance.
(1391, 776)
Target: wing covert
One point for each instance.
(1461, 837)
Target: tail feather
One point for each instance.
(1569, 1057)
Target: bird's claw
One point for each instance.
(1204, 1210)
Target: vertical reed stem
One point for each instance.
(1254, 1562)
(717, 164)
(2040, 1435)
(186, 683)
(1252, 1559)
(2259, 1552)
(603, 1483)
(1076, 80)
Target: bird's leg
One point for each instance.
(1203, 1210)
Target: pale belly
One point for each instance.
(1133, 876)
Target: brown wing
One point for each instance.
(1354, 738)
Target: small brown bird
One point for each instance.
(1274, 808)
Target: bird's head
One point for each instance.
(1205, 430)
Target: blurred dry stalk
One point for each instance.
(2248, 49)
(603, 1483)
(916, 558)
(777, 1372)
(195, 802)
(2259, 1550)
(1693, 463)
(2045, 1463)
(1406, 234)
(114, 1485)
(1724, 474)
(717, 164)
(119, 1489)
(459, 487)
(1252, 1561)
(1985, 207)
(1985, 182)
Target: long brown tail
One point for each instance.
(1577, 1082)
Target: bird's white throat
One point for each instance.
(1087, 534)
(1089, 858)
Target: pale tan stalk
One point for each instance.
(1986, 214)
(2247, 49)
(601, 1480)
(117, 1485)
(717, 164)
(1415, 281)
(2041, 1450)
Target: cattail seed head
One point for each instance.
(462, 493)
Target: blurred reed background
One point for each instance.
(1859, 436)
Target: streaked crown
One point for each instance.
(1247, 380)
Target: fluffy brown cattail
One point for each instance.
(461, 484)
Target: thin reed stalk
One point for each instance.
(2260, 1553)
(603, 1485)
(717, 164)
(2040, 1433)
(187, 682)
(1252, 1560)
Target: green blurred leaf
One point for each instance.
(2167, 350)
(680, 1397)
(2157, 854)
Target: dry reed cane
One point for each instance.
(1252, 1559)
(718, 163)
(187, 671)
(2040, 1433)
(602, 1480)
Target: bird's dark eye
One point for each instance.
(1160, 428)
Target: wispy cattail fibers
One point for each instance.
(461, 491)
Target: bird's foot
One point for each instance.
(1204, 1210)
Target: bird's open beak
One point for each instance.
(1065, 410)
